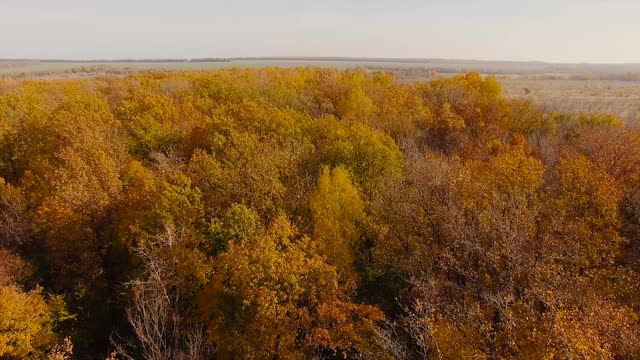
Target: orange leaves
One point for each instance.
(523, 117)
(15, 222)
(599, 329)
(345, 326)
(12, 268)
(447, 120)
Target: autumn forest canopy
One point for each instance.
(312, 214)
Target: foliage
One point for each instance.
(336, 208)
(26, 323)
(312, 213)
(273, 297)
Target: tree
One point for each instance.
(465, 234)
(273, 297)
(366, 153)
(149, 119)
(336, 208)
(26, 323)
(157, 310)
(590, 199)
(299, 213)
(81, 193)
(15, 227)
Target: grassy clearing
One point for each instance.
(621, 98)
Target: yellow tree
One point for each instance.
(274, 297)
(336, 208)
(589, 197)
(357, 106)
(26, 324)
(149, 118)
(366, 153)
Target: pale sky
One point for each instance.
(599, 31)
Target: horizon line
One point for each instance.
(311, 58)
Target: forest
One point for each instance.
(312, 213)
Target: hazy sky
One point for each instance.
(550, 30)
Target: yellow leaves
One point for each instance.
(267, 290)
(336, 207)
(152, 202)
(453, 342)
(523, 117)
(78, 194)
(590, 198)
(76, 120)
(356, 107)
(595, 119)
(365, 152)
(591, 192)
(516, 170)
(509, 183)
(252, 172)
(446, 119)
(239, 224)
(25, 323)
(267, 121)
(491, 86)
(401, 193)
(133, 216)
(179, 202)
(83, 112)
(86, 184)
(266, 278)
(149, 118)
(473, 82)
(487, 85)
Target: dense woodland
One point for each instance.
(311, 213)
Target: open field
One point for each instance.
(441, 65)
(621, 98)
(35, 67)
(29, 67)
(556, 87)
